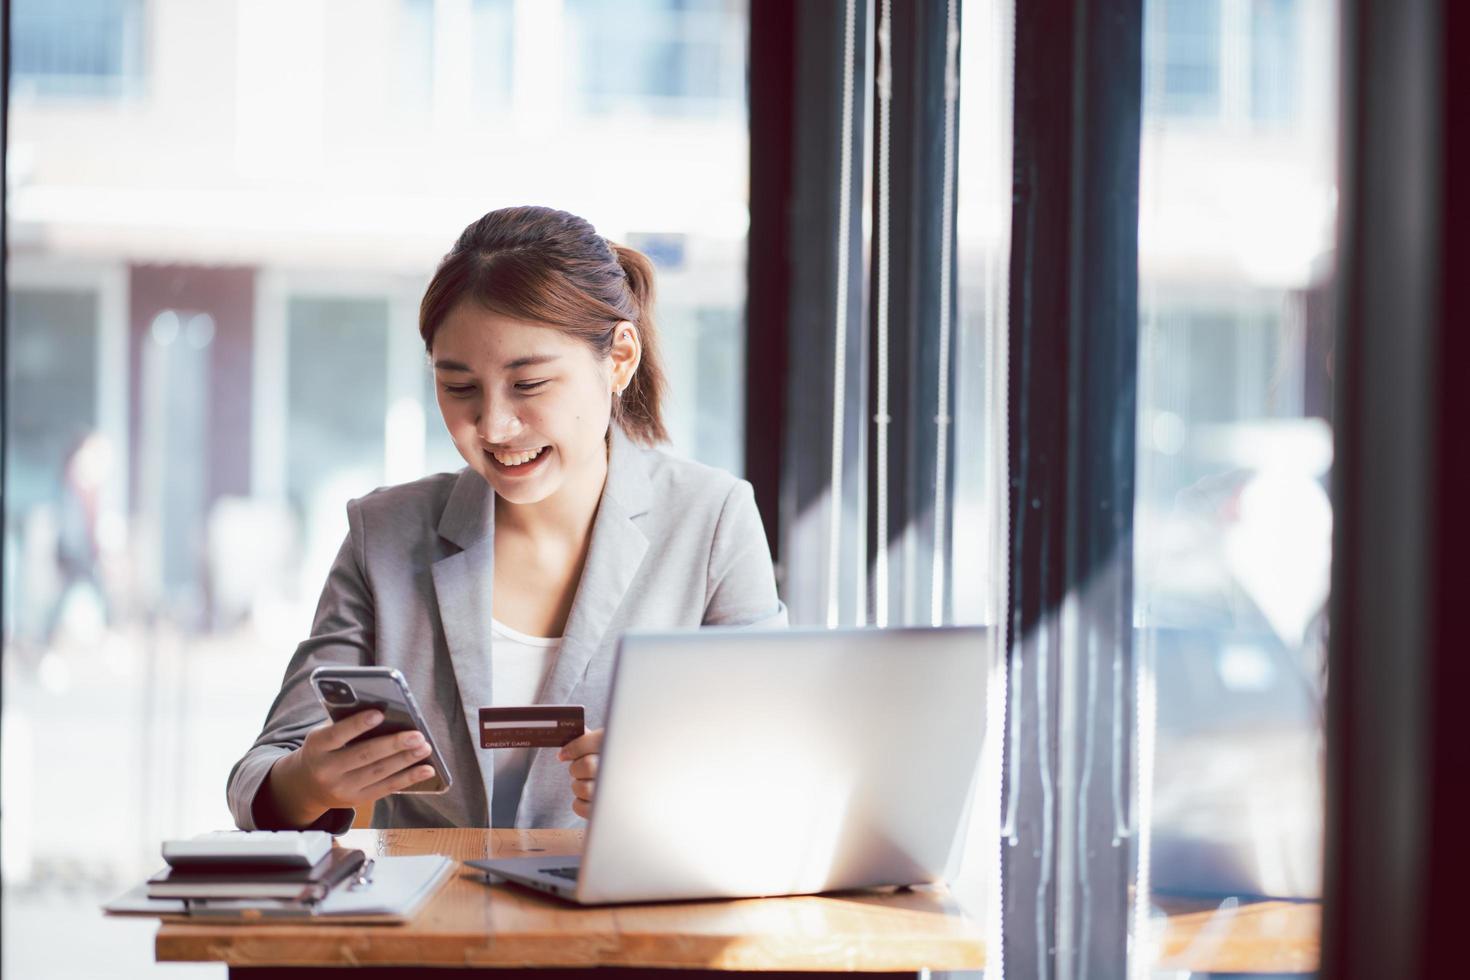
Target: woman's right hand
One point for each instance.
(327, 773)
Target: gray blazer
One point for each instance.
(674, 544)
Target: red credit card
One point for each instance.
(539, 726)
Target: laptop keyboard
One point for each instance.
(568, 873)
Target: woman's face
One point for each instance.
(527, 405)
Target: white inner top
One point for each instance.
(519, 664)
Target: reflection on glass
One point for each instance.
(1234, 438)
(271, 183)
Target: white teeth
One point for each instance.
(516, 459)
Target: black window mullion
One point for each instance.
(772, 75)
(1396, 854)
(1073, 380)
(913, 219)
(830, 52)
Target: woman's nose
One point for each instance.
(498, 425)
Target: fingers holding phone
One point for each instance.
(342, 768)
(372, 767)
(339, 765)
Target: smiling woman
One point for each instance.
(509, 582)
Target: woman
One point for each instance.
(510, 581)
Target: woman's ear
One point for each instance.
(627, 351)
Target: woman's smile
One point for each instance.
(519, 464)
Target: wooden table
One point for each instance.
(470, 925)
(1255, 937)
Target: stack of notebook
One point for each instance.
(213, 882)
(272, 875)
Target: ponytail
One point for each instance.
(638, 409)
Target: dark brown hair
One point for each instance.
(550, 267)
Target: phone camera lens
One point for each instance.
(336, 692)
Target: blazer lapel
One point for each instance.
(614, 556)
(462, 584)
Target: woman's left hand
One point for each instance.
(583, 752)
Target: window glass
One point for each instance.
(983, 225)
(715, 348)
(1184, 40)
(415, 57)
(76, 47)
(51, 387)
(173, 460)
(976, 586)
(1274, 40)
(1234, 449)
(337, 364)
(51, 408)
(224, 282)
(493, 54)
(661, 56)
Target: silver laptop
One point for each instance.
(742, 763)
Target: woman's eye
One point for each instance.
(529, 385)
(459, 391)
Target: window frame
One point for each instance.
(913, 326)
(797, 315)
(1396, 854)
(1073, 393)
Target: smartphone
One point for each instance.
(344, 691)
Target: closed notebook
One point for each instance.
(238, 881)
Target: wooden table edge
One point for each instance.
(557, 951)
